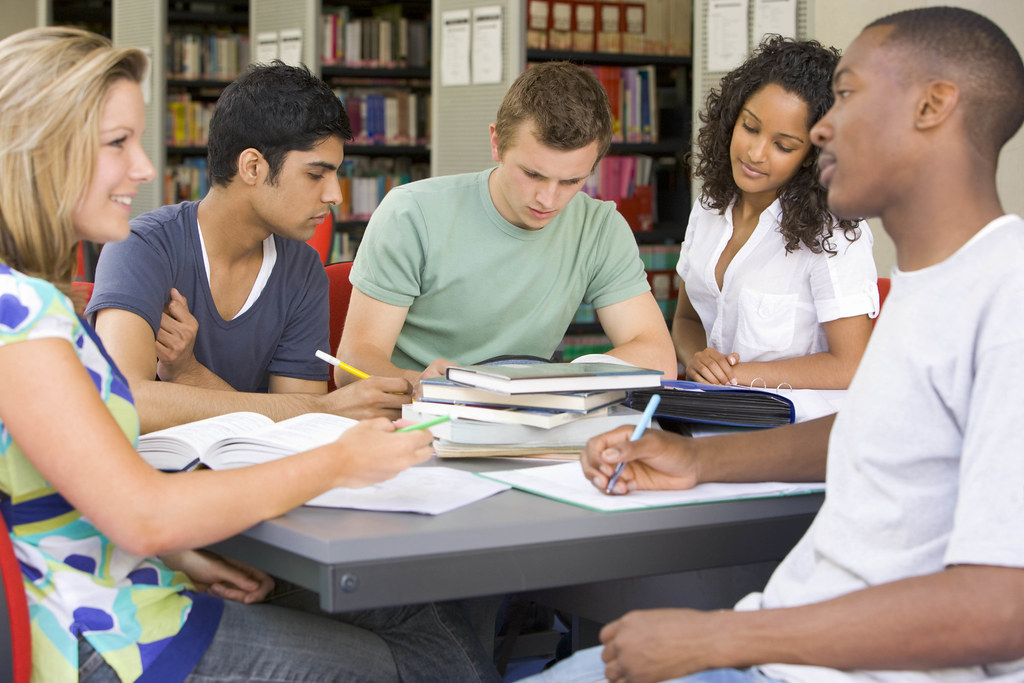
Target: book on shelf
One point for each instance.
(609, 26)
(538, 13)
(186, 181)
(634, 27)
(236, 439)
(512, 439)
(554, 377)
(560, 33)
(442, 390)
(460, 412)
(216, 56)
(188, 120)
(386, 115)
(633, 99)
(584, 25)
(565, 483)
(384, 40)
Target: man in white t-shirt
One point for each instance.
(914, 568)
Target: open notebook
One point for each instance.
(565, 482)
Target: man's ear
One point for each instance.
(938, 104)
(495, 155)
(249, 163)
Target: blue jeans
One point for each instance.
(431, 642)
(586, 667)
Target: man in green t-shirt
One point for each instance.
(463, 268)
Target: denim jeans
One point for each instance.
(586, 667)
(268, 643)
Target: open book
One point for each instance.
(240, 439)
(236, 439)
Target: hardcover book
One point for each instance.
(554, 377)
(440, 389)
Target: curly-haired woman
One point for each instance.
(775, 288)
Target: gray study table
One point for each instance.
(509, 543)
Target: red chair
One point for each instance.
(82, 291)
(321, 239)
(339, 292)
(15, 631)
(883, 291)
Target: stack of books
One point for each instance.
(528, 409)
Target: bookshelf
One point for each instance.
(206, 47)
(376, 57)
(641, 53)
(196, 48)
(92, 15)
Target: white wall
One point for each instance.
(837, 22)
(19, 15)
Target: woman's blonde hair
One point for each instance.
(53, 85)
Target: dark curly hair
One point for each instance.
(803, 68)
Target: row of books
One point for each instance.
(385, 39)
(217, 56)
(188, 120)
(365, 181)
(657, 27)
(633, 98)
(387, 117)
(186, 181)
(576, 345)
(628, 181)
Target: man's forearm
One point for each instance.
(796, 452)
(649, 351)
(197, 375)
(688, 337)
(165, 404)
(963, 616)
(371, 361)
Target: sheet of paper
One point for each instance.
(291, 46)
(266, 47)
(566, 483)
(455, 39)
(774, 16)
(487, 44)
(426, 490)
(727, 34)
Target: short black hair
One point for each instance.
(972, 51)
(275, 108)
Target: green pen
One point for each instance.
(425, 424)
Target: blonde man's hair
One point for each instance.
(53, 85)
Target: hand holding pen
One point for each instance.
(638, 431)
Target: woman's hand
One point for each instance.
(221, 576)
(712, 367)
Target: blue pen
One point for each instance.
(638, 431)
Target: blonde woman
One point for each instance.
(87, 516)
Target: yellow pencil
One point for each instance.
(340, 364)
